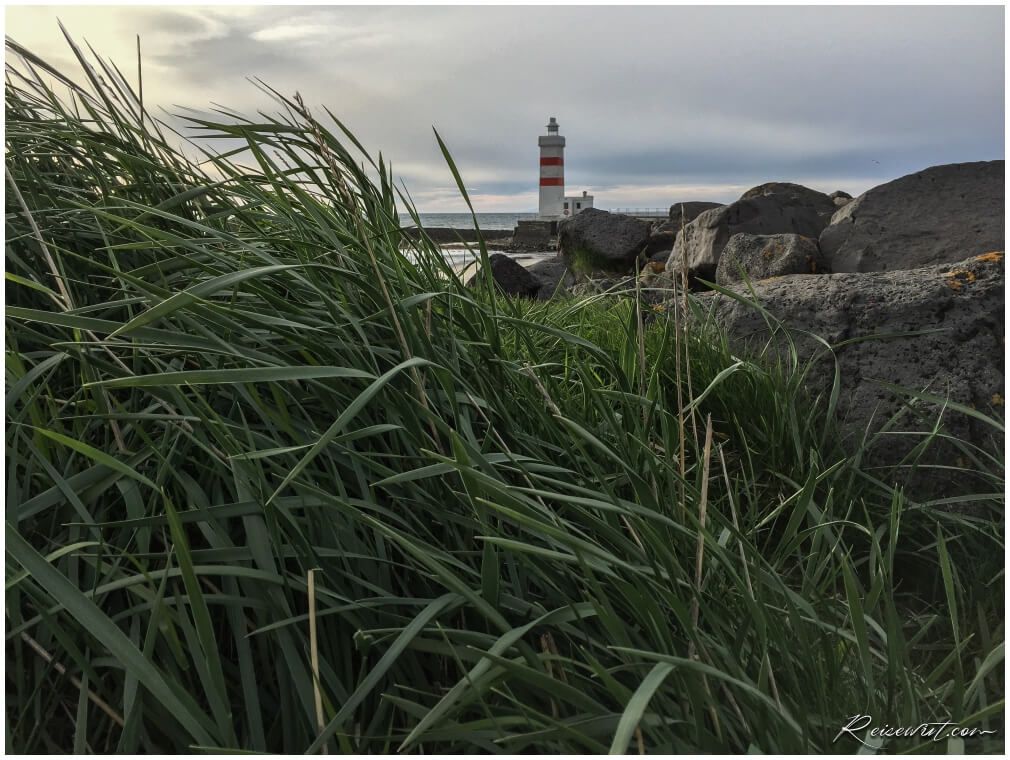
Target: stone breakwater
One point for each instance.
(455, 235)
(500, 240)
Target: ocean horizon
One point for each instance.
(464, 221)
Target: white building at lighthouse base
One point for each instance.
(573, 204)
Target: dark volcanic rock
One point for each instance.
(660, 245)
(598, 240)
(534, 234)
(553, 275)
(963, 361)
(930, 217)
(511, 277)
(763, 256)
(768, 209)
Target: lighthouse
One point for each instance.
(555, 206)
(552, 172)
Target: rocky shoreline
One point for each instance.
(905, 282)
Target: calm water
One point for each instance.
(464, 257)
(465, 221)
(466, 260)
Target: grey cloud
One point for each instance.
(645, 95)
(227, 61)
(172, 22)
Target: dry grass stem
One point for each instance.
(314, 654)
(95, 699)
(681, 441)
(699, 557)
(684, 323)
(551, 406)
(67, 304)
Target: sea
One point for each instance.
(464, 258)
(465, 221)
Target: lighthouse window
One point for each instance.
(578, 205)
(566, 206)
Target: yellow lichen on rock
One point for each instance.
(770, 279)
(997, 399)
(992, 256)
(958, 278)
(773, 250)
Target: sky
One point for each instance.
(658, 104)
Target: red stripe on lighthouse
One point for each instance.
(552, 162)
(547, 181)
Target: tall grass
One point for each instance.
(238, 394)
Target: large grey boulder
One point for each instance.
(768, 209)
(509, 276)
(963, 361)
(920, 219)
(664, 235)
(789, 193)
(596, 240)
(763, 256)
(687, 212)
(553, 275)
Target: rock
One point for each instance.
(930, 217)
(764, 256)
(596, 240)
(651, 284)
(654, 282)
(511, 277)
(687, 212)
(964, 360)
(533, 233)
(841, 198)
(553, 276)
(660, 245)
(513, 245)
(768, 209)
(664, 235)
(787, 192)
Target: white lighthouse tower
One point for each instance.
(552, 172)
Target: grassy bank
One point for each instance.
(273, 485)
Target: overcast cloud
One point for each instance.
(658, 104)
